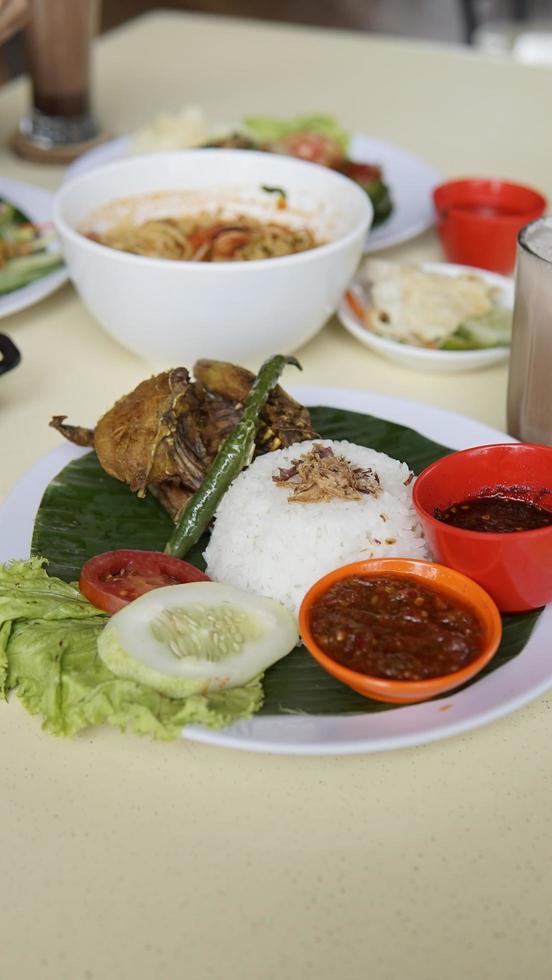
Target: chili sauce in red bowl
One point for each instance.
(513, 564)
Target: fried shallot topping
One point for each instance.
(320, 475)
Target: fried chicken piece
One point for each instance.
(284, 420)
(73, 433)
(164, 434)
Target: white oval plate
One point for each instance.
(37, 203)
(497, 694)
(410, 179)
(422, 358)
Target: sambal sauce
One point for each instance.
(395, 627)
(495, 514)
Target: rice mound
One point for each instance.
(264, 544)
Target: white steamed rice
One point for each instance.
(264, 544)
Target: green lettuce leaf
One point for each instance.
(49, 657)
(26, 593)
(268, 129)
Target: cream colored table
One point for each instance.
(125, 859)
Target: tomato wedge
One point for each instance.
(113, 579)
(315, 147)
(363, 173)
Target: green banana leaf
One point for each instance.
(85, 512)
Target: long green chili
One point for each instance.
(234, 454)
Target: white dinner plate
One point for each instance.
(37, 204)
(424, 358)
(411, 181)
(499, 693)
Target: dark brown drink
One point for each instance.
(58, 48)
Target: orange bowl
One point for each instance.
(451, 584)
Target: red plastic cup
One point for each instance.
(514, 568)
(478, 220)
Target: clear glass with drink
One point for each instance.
(58, 44)
(530, 380)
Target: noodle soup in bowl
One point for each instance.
(172, 310)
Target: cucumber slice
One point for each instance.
(190, 639)
(21, 271)
(493, 329)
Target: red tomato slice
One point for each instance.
(113, 579)
(314, 147)
(363, 173)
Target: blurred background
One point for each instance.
(443, 20)
(518, 28)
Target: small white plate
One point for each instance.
(411, 181)
(423, 358)
(37, 204)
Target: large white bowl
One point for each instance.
(424, 358)
(173, 312)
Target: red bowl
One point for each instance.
(515, 569)
(478, 220)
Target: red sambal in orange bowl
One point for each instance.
(398, 629)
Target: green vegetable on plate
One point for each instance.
(317, 137)
(24, 255)
(49, 658)
(200, 637)
(10, 215)
(380, 196)
(493, 329)
(268, 129)
(21, 271)
(234, 454)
